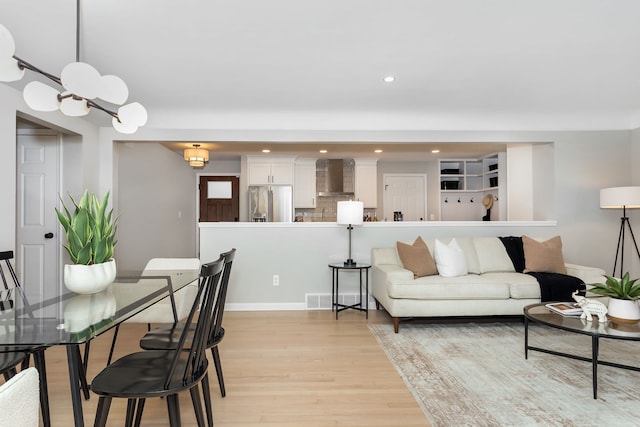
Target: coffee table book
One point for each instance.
(565, 308)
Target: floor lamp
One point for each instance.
(625, 198)
(350, 213)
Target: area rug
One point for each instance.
(475, 374)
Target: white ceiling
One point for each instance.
(319, 64)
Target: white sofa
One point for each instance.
(491, 287)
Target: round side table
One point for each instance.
(363, 269)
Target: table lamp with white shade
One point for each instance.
(350, 213)
(621, 198)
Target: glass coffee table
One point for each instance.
(538, 313)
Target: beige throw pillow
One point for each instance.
(417, 258)
(543, 257)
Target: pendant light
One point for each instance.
(82, 84)
(196, 156)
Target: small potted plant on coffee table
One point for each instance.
(624, 295)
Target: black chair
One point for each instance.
(170, 310)
(9, 362)
(164, 373)
(166, 337)
(10, 357)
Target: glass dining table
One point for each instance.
(72, 319)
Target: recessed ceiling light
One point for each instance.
(435, 151)
(378, 151)
(389, 79)
(266, 151)
(323, 151)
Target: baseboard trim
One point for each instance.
(265, 306)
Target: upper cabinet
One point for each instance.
(366, 182)
(304, 187)
(273, 170)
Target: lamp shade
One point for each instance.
(41, 97)
(620, 197)
(350, 212)
(196, 156)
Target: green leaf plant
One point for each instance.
(90, 229)
(624, 288)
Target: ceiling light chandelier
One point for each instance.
(81, 84)
(196, 156)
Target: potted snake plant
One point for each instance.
(90, 230)
(624, 295)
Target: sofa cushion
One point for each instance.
(466, 243)
(521, 286)
(545, 257)
(450, 259)
(416, 257)
(492, 255)
(470, 254)
(384, 256)
(470, 286)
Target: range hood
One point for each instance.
(331, 175)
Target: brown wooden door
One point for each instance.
(219, 198)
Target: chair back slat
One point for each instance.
(7, 256)
(195, 350)
(222, 294)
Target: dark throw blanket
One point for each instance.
(553, 286)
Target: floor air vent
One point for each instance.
(323, 301)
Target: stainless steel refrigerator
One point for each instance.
(271, 203)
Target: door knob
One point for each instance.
(48, 236)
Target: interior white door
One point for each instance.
(407, 194)
(38, 245)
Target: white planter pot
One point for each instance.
(623, 311)
(89, 279)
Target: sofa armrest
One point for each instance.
(587, 274)
(395, 273)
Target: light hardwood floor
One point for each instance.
(293, 368)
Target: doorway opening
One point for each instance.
(219, 198)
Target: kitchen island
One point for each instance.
(298, 253)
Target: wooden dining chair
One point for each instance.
(164, 373)
(166, 337)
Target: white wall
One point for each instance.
(156, 205)
(520, 182)
(544, 187)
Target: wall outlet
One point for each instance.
(276, 280)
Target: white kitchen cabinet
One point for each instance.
(304, 187)
(366, 182)
(270, 171)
